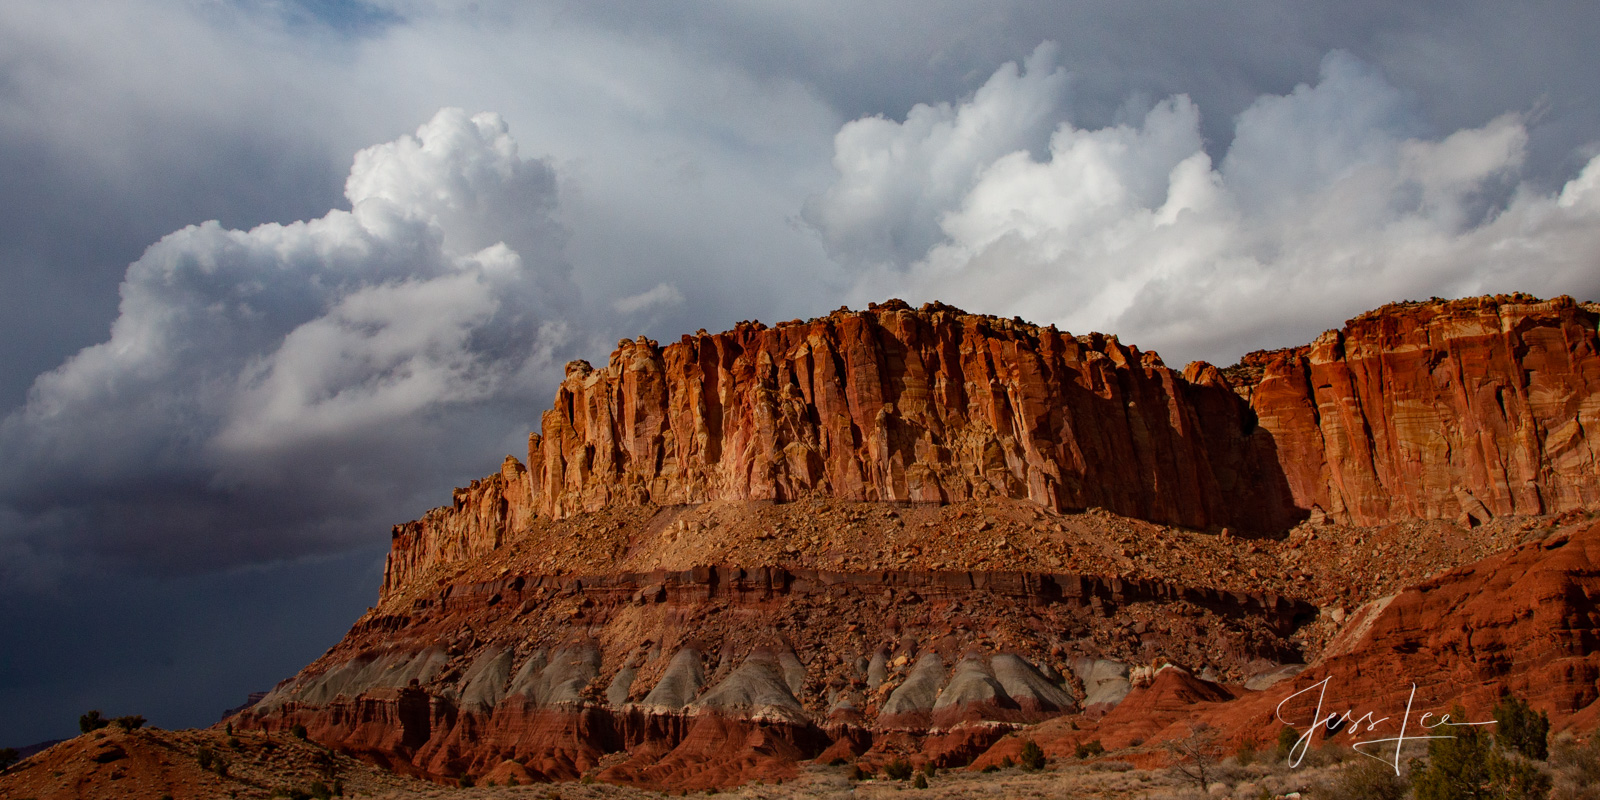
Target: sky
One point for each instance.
(275, 275)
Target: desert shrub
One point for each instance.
(1365, 780)
(988, 768)
(857, 773)
(919, 782)
(1520, 728)
(1577, 769)
(1006, 762)
(1246, 753)
(465, 781)
(1287, 738)
(1089, 748)
(298, 731)
(898, 769)
(129, 723)
(206, 758)
(1111, 766)
(1470, 766)
(8, 756)
(838, 761)
(92, 721)
(319, 790)
(929, 769)
(1032, 756)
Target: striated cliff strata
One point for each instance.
(717, 675)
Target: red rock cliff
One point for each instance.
(902, 405)
(1465, 409)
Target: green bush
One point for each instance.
(1520, 728)
(8, 756)
(298, 731)
(1469, 766)
(1246, 754)
(1089, 748)
(129, 723)
(1032, 756)
(919, 782)
(899, 770)
(92, 721)
(1287, 739)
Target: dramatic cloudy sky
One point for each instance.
(276, 274)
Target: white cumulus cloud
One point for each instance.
(895, 178)
(332, 360)
(1328, 202)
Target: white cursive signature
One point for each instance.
(1336, 722)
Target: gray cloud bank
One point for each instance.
(253, 400)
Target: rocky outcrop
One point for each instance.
(1459, 410)
(1465, 409)
(481, 517)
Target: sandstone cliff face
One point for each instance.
(1466, 409)
(476, 523)
(901, 405)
